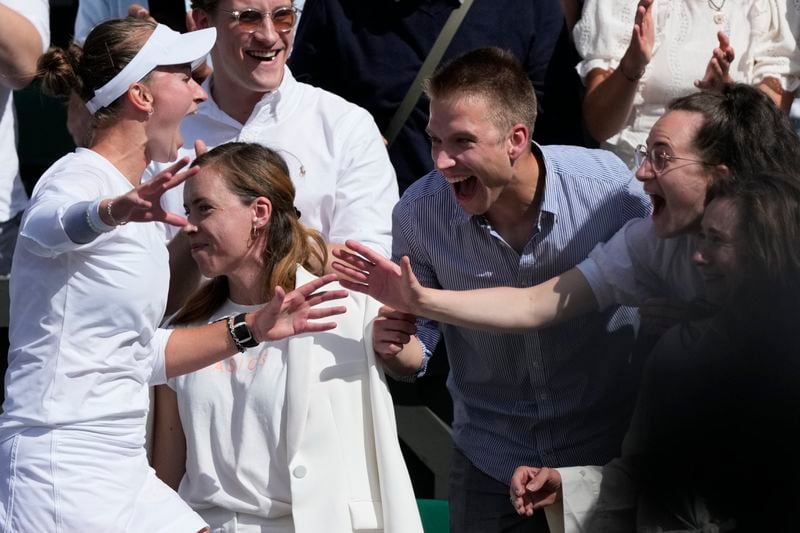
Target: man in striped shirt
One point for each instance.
(501, 211)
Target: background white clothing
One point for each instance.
(760, 32)
(93, 12)
(345, 184)
(13, 197)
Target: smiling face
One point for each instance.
(247, 62)
(220, 224)
(175, 94)
(470, 151)
(717, 249)
(679, 191)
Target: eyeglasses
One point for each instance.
(251, 19)
(658, 158)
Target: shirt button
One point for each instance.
(300, 472)
(543, 396)
(536, 364)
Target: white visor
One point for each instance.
(163, 47)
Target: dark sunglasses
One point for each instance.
(251, 19)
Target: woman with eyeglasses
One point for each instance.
(702, 139)
(346, 185)
(293, 436)
(719, 395)
(88, 290)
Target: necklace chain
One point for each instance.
(715, 6)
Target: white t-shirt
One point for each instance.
(84, 317)
(13, 197)
(233, 416)
(346, 185)
(761, 33)
(93, 12)
(635, 265)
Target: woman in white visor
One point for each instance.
(88, 291)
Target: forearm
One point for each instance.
(510, 308)
(609, 100)
(772, 88)
(169, 440)
(190, 349)
(407, 362)
(20, 48)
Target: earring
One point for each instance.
(151, 111)
(253, 232)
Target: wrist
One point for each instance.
(629, 71)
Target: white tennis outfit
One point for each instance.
(84, 349)
(297, 436)
(761, 33)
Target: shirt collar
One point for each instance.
(272, 105)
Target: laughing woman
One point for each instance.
(88, 291)
(297, 435)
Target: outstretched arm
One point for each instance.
(496, 309)
(189, 349)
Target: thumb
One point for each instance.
(200, 147)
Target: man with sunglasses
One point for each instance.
(345, 183)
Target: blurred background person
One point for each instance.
(638, 57)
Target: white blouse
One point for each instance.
(685, 36)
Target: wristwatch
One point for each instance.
(240, 332)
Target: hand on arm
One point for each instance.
(20, 48)
(534, 488)
(610, 94)
(717, 72)
(297, 312)
(394, 342)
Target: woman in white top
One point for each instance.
(636, 58)
(702, 139)
(88, 292)
(297, 435)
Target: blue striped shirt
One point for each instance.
(559, 396)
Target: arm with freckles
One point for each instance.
(495, 309)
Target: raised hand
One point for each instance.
(718, 69)
(143, 203)
(643, 37)
(392, 330)
(296, 312)
(372, 274)
(534, 488)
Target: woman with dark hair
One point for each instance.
(718, 395)
(88, 290)
(297, 435)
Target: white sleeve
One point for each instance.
(42, 231)
(624, 269)
(603, 33)
(93, 12)
(366, 187)
(38, 13)
(580, 487)
(773, 50)
(158, 375)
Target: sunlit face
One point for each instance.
(679, 191)
(470, 151)
(718, 248)
(248, 62)
(175, 95)
(219, 227)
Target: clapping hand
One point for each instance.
(296, 312)
(640, 49)
(717, 72)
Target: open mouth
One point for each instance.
(267, 56)
(464, 186)
(658, 203)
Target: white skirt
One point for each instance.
(64, 480)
